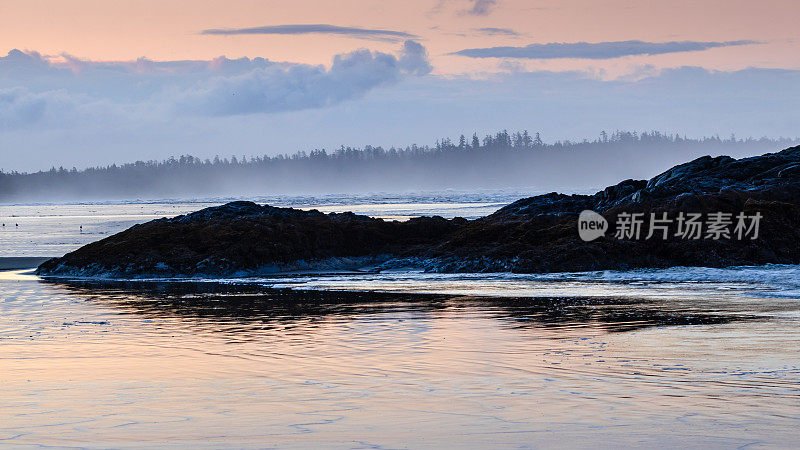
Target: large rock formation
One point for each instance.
(536, 234)
(242, 238)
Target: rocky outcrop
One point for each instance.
(536, 234)
(243, 238)
(539, 234)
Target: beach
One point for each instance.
(661, 358)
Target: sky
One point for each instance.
(92, 82)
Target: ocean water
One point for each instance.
(684, 357)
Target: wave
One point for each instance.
(698, 283)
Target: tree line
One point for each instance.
(500, 160)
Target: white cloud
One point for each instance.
(41, 87)
(21, 108)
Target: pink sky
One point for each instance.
(169, 29)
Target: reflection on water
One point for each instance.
(208, 304)
(208, 364)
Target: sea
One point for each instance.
(680, 357)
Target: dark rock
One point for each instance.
(244, 238)
(536, 234)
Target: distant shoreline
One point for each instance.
(21, 262)
(508, 161)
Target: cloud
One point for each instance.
(39, 91)
(23, 60)
(19, 107)
(598, 50)
(414, 59)
(123, 111)
(481, 7)
(475, 8)
(491, 31)
(355, 32)
(295, 87)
